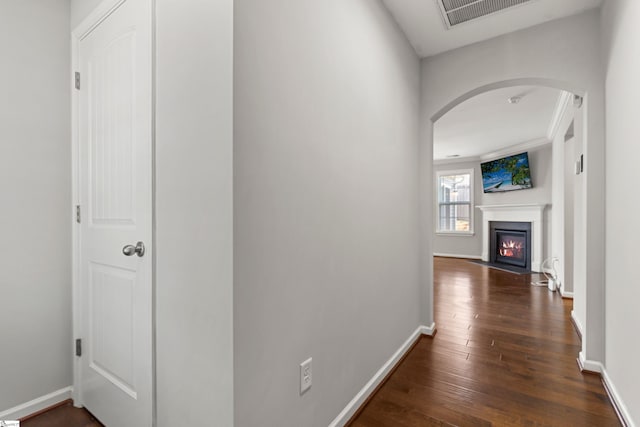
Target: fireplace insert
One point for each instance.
(510, 243)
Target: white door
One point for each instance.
(115, 191)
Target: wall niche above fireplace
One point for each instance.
(510, 243)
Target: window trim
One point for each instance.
(470, 232)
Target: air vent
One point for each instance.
(458, 11)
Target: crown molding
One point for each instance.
(456, 160)
(506, 151)
(515, 149)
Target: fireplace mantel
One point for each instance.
(533, 213)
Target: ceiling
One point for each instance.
(424, 26)
(488, 123)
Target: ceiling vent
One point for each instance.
(459, 11)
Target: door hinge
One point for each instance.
(78, 214)
(79, 347)
(77, 80)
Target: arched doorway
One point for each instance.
(587, 217)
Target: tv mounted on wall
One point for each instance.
(506, 174)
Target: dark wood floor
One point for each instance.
(504, 355)
(62, 416)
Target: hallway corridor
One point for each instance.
(504, 355)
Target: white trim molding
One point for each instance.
(366, 391)
(566, 294)
(515, 149)
(455, 160)
(457, 256)
(576, 322)
(506, 151)
(533, 213)
(37, 404)
(589, 365)
(612, 392)
(558, 114)
(101, 12)
(618, 405)
(428, 330)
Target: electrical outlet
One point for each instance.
(305, 375)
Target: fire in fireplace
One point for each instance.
(511, 243)
(511, 249)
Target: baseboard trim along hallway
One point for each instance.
(616, 400)
(598, 368)
(576, 323)
(567, 295)
(478, 257)
(37, 404)
(589, 365)
(369, 389)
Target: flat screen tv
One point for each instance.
(506, 174)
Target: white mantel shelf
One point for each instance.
(536, 207)
(533, 213)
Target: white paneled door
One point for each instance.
(114, 111)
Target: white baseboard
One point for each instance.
(362, 396)
(618, 405)
(36, 405)
(428, 330)
(457, 256)
(616, 400)
(589, 365)
(565, 294)
(577, 322)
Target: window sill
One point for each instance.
(455, 234)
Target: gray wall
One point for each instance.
(80, 9)
(326, 249)
(194, 268)
(541, 176)
(623, 151)
(194, 217)
(35, 185)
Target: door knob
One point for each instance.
(138, 249)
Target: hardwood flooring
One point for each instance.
(65, 415)
(504, 355)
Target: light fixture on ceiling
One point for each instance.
(514, 99)
(453, 156)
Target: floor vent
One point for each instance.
(459, 11)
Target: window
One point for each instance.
(455, 202)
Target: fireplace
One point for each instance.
(510, 243)
(532, 214)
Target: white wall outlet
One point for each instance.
(305, 375)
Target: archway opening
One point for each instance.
(541, 118)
